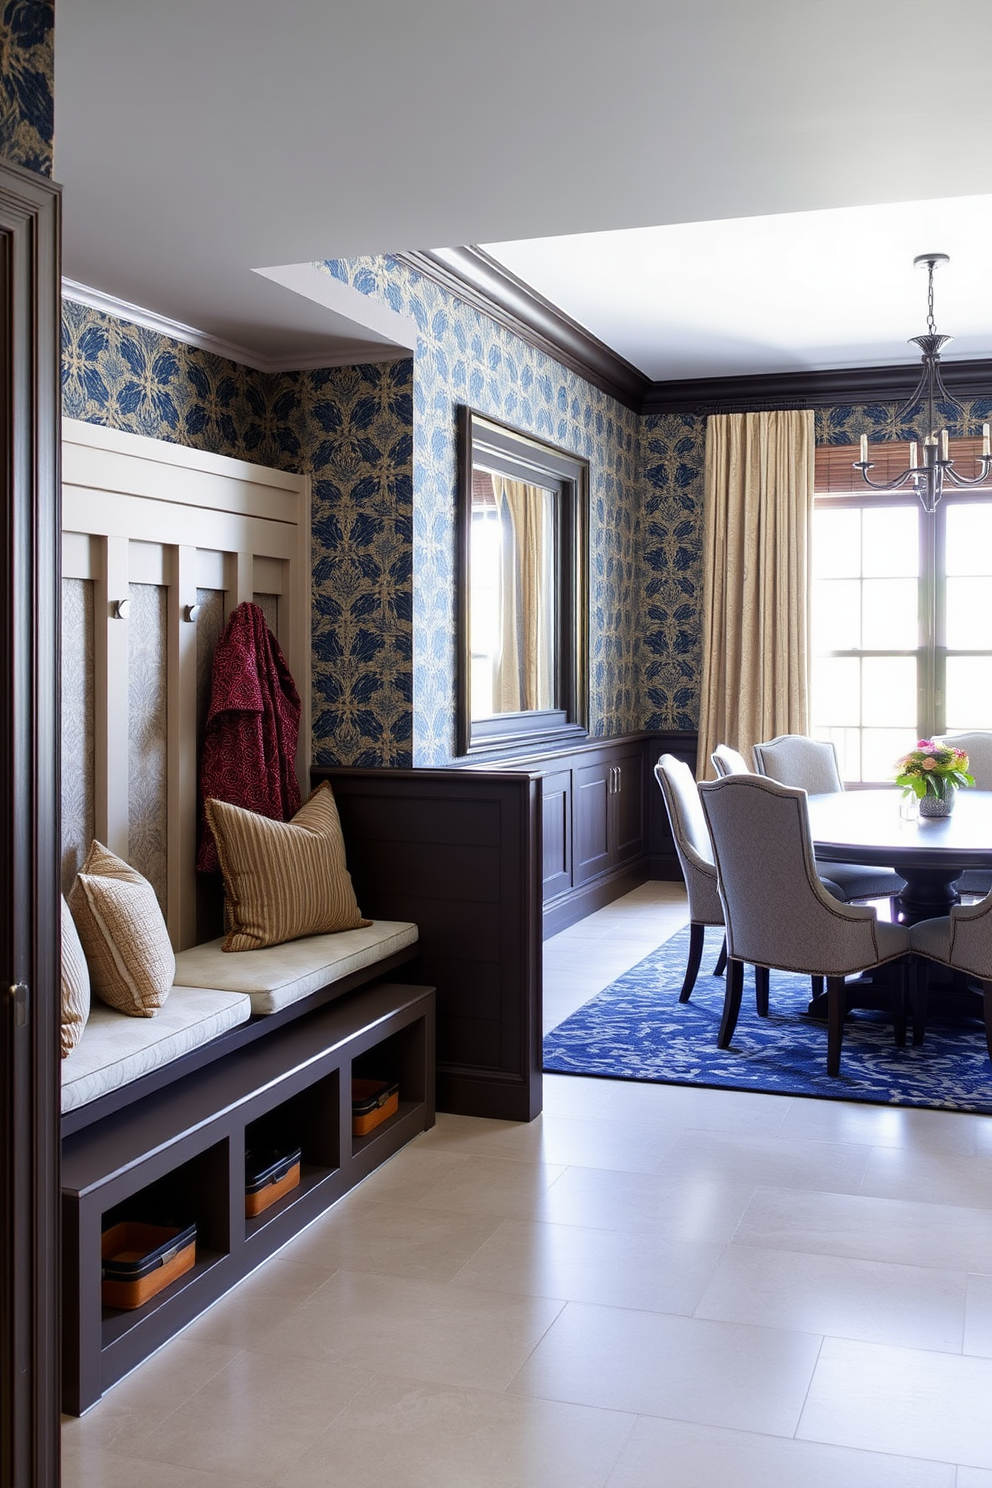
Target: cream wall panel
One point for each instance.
(179, 525)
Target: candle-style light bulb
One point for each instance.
(864, 449)
(912, 454)
(985, 440)
(943, 444)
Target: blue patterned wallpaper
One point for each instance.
(26, 84)
(464, 357)
(347, 427)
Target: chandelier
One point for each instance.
(927, 476)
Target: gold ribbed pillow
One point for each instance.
(132, 965)
(283, 879)
(75, 984)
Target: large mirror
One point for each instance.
(522, 591)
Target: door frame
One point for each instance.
(30, 219)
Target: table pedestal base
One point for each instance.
(929, 894)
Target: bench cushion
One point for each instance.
(116, 1049)
(280, 975)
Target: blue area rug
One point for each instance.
(636, 1029)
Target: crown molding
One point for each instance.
(95, 299)
(767, 390)
(479, 281)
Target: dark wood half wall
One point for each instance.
(458, 852)
(29, 831)
(466, 854)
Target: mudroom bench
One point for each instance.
(254, 1051)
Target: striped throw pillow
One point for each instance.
(75, 984)
(131, 961)
(283, 879)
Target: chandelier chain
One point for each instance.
(931, 323)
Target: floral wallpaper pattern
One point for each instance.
(26, 84)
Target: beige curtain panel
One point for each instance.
(758, 500)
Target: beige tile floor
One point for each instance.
(648, 1287)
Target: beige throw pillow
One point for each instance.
(75, 984)
(131, 961)
(283, 879)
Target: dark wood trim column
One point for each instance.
(29, 830)
(459, 853)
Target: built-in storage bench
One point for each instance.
(180, 1150)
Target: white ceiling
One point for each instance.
(800, 290)
(200, 141)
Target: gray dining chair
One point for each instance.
(961, 941)
(695, 855)
(794, 759)
(777, 913)
(978, 747)
(727, 761)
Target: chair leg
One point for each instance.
(697, 934)
(987, 990)
(761, 990)
(731, 1002)
(836, 1009)
(898, 970)
(816, 986)
(919, 987)
(721, 960)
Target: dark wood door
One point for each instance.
(557, 811)
(627, 807)
(591, 849)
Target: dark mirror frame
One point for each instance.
(481, 440)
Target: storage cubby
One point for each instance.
(179, 1154)
(400, 1058)
(310, 1120)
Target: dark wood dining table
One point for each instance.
(930, 853)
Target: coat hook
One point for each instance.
(191, 613)
(121, 609)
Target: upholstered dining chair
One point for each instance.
(794, 759)
(692, 844)
(777, 913)
(727, 761)
(978, 747)
(961, 940)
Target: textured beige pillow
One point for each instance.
(283, 879)
(131, 961)
(75, 984)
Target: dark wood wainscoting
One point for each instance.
(459, 853)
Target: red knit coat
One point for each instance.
(249, 750)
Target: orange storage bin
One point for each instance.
(141, 1260)
(372, 1103)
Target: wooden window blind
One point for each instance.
(835, 473)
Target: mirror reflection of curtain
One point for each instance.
(523, 677)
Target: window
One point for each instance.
(901, 612)
(523, 652)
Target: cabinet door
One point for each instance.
(627, 808)
(557, 790)
(591, 789)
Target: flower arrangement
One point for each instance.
(932, 769)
